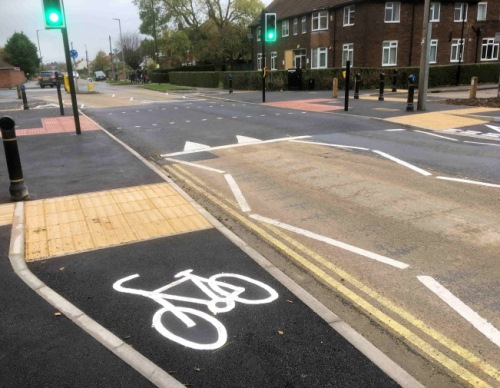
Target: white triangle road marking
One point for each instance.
(493, 127)
(245, 139)
(191, 146)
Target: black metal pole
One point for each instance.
(347, 85)
(59, 96)
(263, 58)
(18, 190)
(71, 81)
(394, 80)
(357, 81)
(411, 92)
(381, 88)
(25, 100)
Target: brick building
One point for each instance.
(326, 33)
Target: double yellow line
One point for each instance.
(295, 250)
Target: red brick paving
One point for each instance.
(63, 124)
(315, 105)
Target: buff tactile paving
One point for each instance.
(6, 214)
(66, 225)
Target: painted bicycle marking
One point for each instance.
(222, 297)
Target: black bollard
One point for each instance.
(59, 97)
(411, 92)
(394, 80)
(357, 82)
(18, 190)
(25, 100)
(381, 89)
(230, 81)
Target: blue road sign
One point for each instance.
(73, 54)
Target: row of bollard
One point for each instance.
(412, 79)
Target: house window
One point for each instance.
(285, 28)
(489, 49)
(481, 11)
(349, 15)
(274, 60)
(460, 13)
(320, 20)
(347, 54)
(295, 26)
(319, 58)
(456, 49)
(433, 51)
(389, 52)
(392, 11)
(259, 34)
(434, 12)
(259, 61)
(304, 24)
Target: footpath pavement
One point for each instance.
(90, 262)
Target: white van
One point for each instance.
(100, 75)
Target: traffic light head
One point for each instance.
(53, 14)
(270, 27)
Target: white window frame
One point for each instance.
(390, 47)
(349, 14)
(347, 54)
(435, 12)
(259, 61)
(259, 34)
(319, 21)
(304, 24)
(460, 12)
(274, 60)
(489, 43)
(392, 12)
(295, 26)
(433, 45)
(482, 9)
(285, 28)
(318, 55)
(457, 49)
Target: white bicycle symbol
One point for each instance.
(221, 298)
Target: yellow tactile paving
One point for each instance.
(436, 121)
(6, 214)
(373, 97)
(65, 225)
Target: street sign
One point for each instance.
(73, 54)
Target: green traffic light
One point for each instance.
(53, 14)
(54, 17)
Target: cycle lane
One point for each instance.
(280, 343)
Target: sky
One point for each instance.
(89, 22)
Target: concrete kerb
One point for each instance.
(143, 365)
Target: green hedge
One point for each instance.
(323, 79)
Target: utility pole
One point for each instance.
(423, 78)
(121, 44)
(111, 55)
(154, 32)
(39, 49)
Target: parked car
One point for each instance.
(100, 75)
(48, 78)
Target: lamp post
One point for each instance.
(121, 44)
(39, 49)
(154, 31)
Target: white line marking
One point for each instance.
(191, 146)
(403, 163)
(195, 165)
(331, 241)
(491, 134)
(468, 181)
(433, 134)
(330, 145)
(461, 308)
(247, 140)
(495, 128)
(237, 193)
(395, 130)
(476, 142)
(234, 145)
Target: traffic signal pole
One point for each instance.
(263, 58)
(72, 90)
